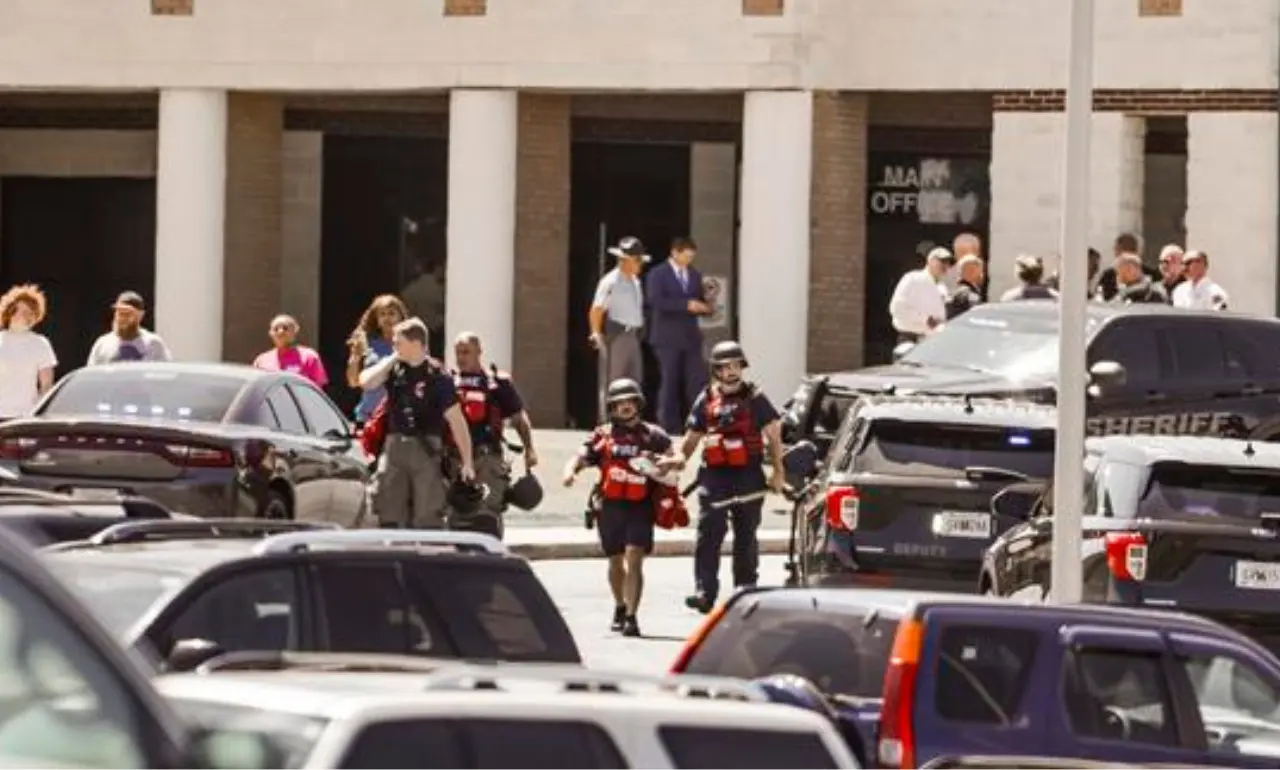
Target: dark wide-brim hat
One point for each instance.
(630, 247)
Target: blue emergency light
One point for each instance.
(1019, 439)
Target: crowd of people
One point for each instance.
(951, 282)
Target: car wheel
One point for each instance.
(276, 507)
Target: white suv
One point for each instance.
(507, 716)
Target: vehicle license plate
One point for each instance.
(96, 493)
(1263, 576)
(960, 524)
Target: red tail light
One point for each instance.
(895, 735)
(18, 448)
(842, 508)
(696, 639)
(1127, 555)
(200, 457)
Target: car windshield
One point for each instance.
(1210, 491)
(1014, 346)
(934, 449)
(837, 650)
(294, 734)
(124, 392)
(119, 596)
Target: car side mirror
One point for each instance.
(223, 749)
(1106, 374)
(902, 349)
(190, 654)
(338, 436)
(1016, 501)
(801, 460)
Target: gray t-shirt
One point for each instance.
(145, 347)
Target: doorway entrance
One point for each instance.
(618, 190)
(383, 232)
(915, 201)
(83, 240)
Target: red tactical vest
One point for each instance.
(618, 481)
(733, 440)
(476, 395)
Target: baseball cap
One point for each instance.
(630, 246)
(131, 299)
(942, 253)
(1029, 262)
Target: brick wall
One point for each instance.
(255, 129)
(542, 255)
(837, 261)
(1143, 102)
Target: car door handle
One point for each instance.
(1251, 390)
(1154, 396)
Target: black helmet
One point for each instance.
(524, 493)
(727, 352)
(464, 497)
(624, 389)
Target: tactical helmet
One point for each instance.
(466, 497)
(624, 389)
(525, 493)
(727, 352)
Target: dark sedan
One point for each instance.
(212, 440)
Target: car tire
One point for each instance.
(276, 506)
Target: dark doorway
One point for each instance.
(384, 229)
(618, 190)
(83, 240)
(915, 201)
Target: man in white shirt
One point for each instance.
(1198, 291)
(919, 303)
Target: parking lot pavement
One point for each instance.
(538, 543)
(578, 587)
(563, 507)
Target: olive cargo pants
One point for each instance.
(409, 486)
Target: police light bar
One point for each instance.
(417, 539)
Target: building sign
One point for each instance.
(926, 190)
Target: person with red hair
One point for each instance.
(26, 357)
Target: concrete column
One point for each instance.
(1232, 203)
(713, 188)
(191, 172)
(773, 292)
(480, 271)
(1026, 186)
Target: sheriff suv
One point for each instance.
(904, 498)
(1192, 523)
(1153, 370)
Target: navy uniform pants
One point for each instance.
(720, 484)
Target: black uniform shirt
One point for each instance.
(965, 297)
(419, 397)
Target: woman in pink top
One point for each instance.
(288, 355)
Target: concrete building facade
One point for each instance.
(811, 147)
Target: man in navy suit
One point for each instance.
(676, 300)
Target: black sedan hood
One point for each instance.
(906, 379)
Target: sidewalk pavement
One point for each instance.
(548, 543)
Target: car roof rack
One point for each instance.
(419, 539)
(351, 662)
(571, 679)
(197, 529)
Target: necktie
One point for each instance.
(684, 279)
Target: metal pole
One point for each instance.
(1068, 469)
(602, 358)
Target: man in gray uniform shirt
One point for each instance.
(617, 314)
(127, 340)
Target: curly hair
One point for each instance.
(367, 326)
(27, 293)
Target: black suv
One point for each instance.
(1153, 370)
(904, 497)
(1186, 523)
(184, 591)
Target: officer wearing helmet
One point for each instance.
(736, 422)
(489, 400)
(626, 519)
